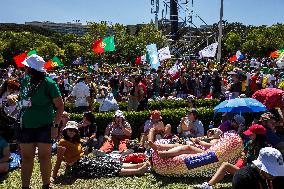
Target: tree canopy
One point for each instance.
(256, 41)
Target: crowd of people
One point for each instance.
(32, 116)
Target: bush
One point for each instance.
(156, 105)
(137, 119)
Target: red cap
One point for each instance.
(156, 114)
(256, 129)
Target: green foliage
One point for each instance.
(155, 105)
(257, 41)
(233, 41)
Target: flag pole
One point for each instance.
(220, 32)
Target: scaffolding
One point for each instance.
(177, 20)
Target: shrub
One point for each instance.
(155, 105)
(137, 119)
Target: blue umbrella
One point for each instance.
(240, 105)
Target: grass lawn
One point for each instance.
(150, 180)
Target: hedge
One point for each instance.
(137, 119)
(156, 105)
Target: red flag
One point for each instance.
(48, 65)
(138, 60)
(233, 58)
(98, 46)
(19, 59)
(274, 54)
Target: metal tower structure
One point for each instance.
(177, 20)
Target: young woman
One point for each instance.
(256, 133)
(196, 146)
(116, 134)
(41, 115)
(70, 150)
(191, 126)
(155, 126)
(9, 93)
(88, 131)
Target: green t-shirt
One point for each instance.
(41, 113)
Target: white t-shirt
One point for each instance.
(66, 84)
(81, 91)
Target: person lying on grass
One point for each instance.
(70, 150)
(196, 145)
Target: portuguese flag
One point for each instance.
(104, 44)
(21, 57)
(53, 63)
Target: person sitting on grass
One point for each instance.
(117, 134)
(258, 140)
(4, 155)
(88, 131)
(70, 150)
(191, 126)
(154, 127)
(196, 146)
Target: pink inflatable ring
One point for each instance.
(227, 149)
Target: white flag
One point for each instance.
(209, 51)
(164, 53)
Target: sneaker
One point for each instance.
(205, 185)
(98, 153)
(125, 153)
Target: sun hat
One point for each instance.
(156, 114)
(239, 119)
(216, 132)
(71, 125)
(36, 62)
(119, 113)
(256, 129)
(270, 160)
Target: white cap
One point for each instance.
(270, 160)
(36, 62)
(119, 113)
(71, 125)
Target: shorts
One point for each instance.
(36, 135)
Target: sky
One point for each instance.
(129, 12)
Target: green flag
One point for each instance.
(31, 52)
(56, 62)
(109, 43)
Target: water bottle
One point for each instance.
(211, 125)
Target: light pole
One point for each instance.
(220, 33)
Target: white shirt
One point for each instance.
(66, 84)
(81, 91)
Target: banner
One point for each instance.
(153, 56)
(164, 54)
(239, 55)
(209, 51)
